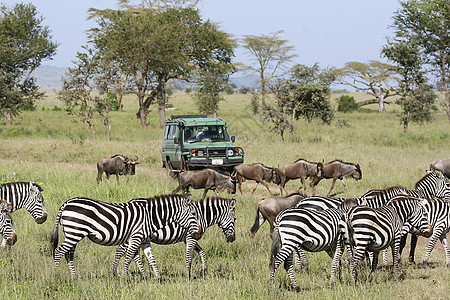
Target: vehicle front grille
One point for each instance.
(216, 152)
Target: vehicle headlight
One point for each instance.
(230, 152)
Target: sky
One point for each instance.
(327, 32)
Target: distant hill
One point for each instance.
(48, 77)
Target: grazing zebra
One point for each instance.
(438, 214)
(6, 225)
(210, 211)
(375, 229)
(25, 194)
(111, 224)
(311, 230)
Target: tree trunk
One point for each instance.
(161, 101)
(381, 108)
(91, 126)
(263, 90)
(9, 118)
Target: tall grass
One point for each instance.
(57, 151)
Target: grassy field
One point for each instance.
(56, 151)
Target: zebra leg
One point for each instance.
(385, 257)
(358, 254)
(436, 234)
(279, 258)
(374, 264)
(301, 260)
(63, 250)
(336, 262)
(120, 251)
(190, 245)
(412, 251)
(203, 258)
(444, 242)
(132, 249)
(69, 258)
(151, 259)
(289, 267)
(396, 255)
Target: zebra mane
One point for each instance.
(425, 178)
(375, 192)
(296, 194)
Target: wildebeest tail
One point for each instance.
(275, 245)
(54, 236)
(256, 225)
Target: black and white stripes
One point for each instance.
(210, 211)
(117, 223)
(25, 195)
(6, 225)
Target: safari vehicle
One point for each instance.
(195, 142)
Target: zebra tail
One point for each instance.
(55, 236)
(256, 225)
(275, 246)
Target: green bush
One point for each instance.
(346, 103)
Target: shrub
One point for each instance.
(346, 103)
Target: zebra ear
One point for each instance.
(188, 198)
(233, 203)
(4, 205)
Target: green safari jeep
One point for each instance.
(195, 142)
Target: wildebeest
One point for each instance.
(269, 208)
(207, 179)
(337, 169)
(258, 172)
(442, 165)
(118, 165)
(299, 169)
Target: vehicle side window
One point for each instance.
(172, 131)
(166, 132)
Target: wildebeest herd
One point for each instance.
(364, 226)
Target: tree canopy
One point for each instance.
(24, 44)
(426, 24)
(155, 47)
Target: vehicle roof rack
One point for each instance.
(187, 116)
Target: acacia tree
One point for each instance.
(304, 94)
(81, 90)
(426, 23)
(271, 56)
(211, 81)
(375, 78)
(157, 47)
(417, 97)
(24, 44)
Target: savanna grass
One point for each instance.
(57, 151)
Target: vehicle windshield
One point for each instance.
(211, 133)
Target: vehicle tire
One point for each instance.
(184, 166)
(169, 168)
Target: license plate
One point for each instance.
(217, 161)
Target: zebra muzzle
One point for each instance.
(428, 231)
(231, 238)
(42, 219)
(198, 233)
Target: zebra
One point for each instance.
(111, 224)
(311, 230)
(375, 229)
(210, 211)
(6, 225)
(432, 185)
(25, 194)
(438, 213)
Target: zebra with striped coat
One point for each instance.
(310, 230)
(6, 225)
(375, 229)
(111, 224)
(25, 195)
(438, 214)
(210, 211)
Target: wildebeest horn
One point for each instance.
(136, 157)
